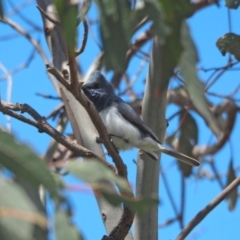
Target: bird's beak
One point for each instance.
(84, 86)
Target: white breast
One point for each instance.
(127, 135)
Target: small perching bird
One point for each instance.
(123, 124)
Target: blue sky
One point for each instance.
(206, 27)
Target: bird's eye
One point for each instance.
(96, 86)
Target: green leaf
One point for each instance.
(194, 86)
(68, 12)
(20, 218)
(116, 30)
(233, 196)
(232, 3)
(153, 10)
(137, 205)
(187, 140)
(64, 229)
(230, 43)
(176, 9)
(95, 172)
(23, 162)
(174, 14)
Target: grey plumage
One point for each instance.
(122, 122)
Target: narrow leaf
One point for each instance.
(19, 215)
(187, 140)
(194, 86)
(153, 10)
(232, 198)
(94, 172)
(137, 205)
(67, 12)
(23, 162)
(116, 30)
(64, 229)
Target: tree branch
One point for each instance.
(41, 124)
(205, 211)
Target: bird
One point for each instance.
(123, 124)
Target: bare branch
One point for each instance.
(206, 210)
(41, 124)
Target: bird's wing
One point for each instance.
(130, 115)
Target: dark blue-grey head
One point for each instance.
(99, 91)
(98, 82)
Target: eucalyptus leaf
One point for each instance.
(152, 9)
(68, 13)
(188, 138)
(23, 162)
(193, 85)
(137, 205)
(174, 12)
(116, 30)
(233, 196)
(20, 218)
(229, 43)
(95, 172)
(64, 228)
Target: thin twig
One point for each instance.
(167, 222)
(48, 96)
(85, 37)
(19, 8)
(25, 19)
(170, 196)
(47, 16)
(22, 66)
(22, 32)
(221, 72)
(206, 210)
(183, 194)
(217, 176)
(57, 111)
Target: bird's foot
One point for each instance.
(99, 140)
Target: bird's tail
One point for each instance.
(182, 157)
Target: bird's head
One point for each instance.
(97, 83)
